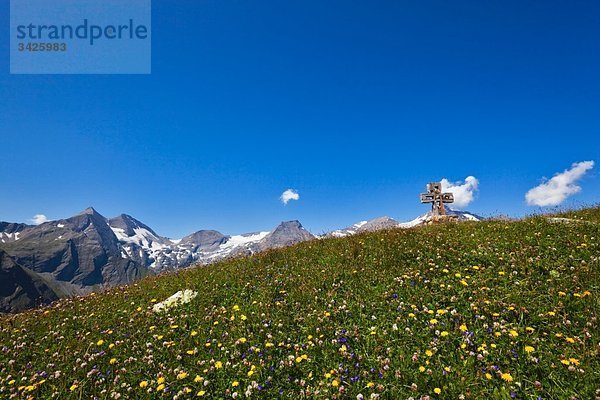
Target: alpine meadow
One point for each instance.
(463, 310)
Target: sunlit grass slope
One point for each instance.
(471, 310)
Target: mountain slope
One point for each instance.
(446, 311)
(20, 288)
(79, 254)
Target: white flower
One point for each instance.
(181, 297)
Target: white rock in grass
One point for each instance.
(181, 297)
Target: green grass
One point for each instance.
(475, 310)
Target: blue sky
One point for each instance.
(356, 105)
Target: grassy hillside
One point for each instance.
(472, 310)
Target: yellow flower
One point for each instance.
(513, 333)
(73, 387)
(110, 346)
(191, 352)
(198, 378)
(218, 365)
(160, 380)
(243, 317)
(574, 361)
(565, 362)
(100, 342)
(182, 375)
(143, 384)
(433, 321)
(437, 390)
(112, 361)
(298, 359)
(411, 315)
(529, 349)
(235, 384)
(428, 353)
(160, 387)
(201, 393)
(570, 340)
(243, 340)
(507, 377)
(488, 375)
(194, 333)
(236, 308)
(444, 334)
(463, 328)
(422, 368)
(187, 390)
(335, 383)
(370, 384)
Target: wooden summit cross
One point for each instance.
(437, 199)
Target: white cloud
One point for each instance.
(288, 195)
(559, 187)
(39, 219)
(464, 192)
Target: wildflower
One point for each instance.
(529, 349)
(198, 378)
(370, 384)
(513, 333)
(235, 384)
(463, 328)
(160, 380)
(193, 333)
(488, 375)
(428, 353)
(433, 321)
(160, 387)
(444, 334)
(73, 387)
(182, 375)
(506, 377)
(218, 365)
(335, 383)
(100, 342)
(143, 384)
(243, 317)
(201, 393)
(437, 390)
(112, 361)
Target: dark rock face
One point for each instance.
(286, 234)
(76, 255)
(205, 240)
(10, 231)
(19, 288)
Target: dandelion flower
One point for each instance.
(529, 349)
(437, 390)
(143, 384)
(182, 375)
(507, 377)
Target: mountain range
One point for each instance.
(88, 252)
